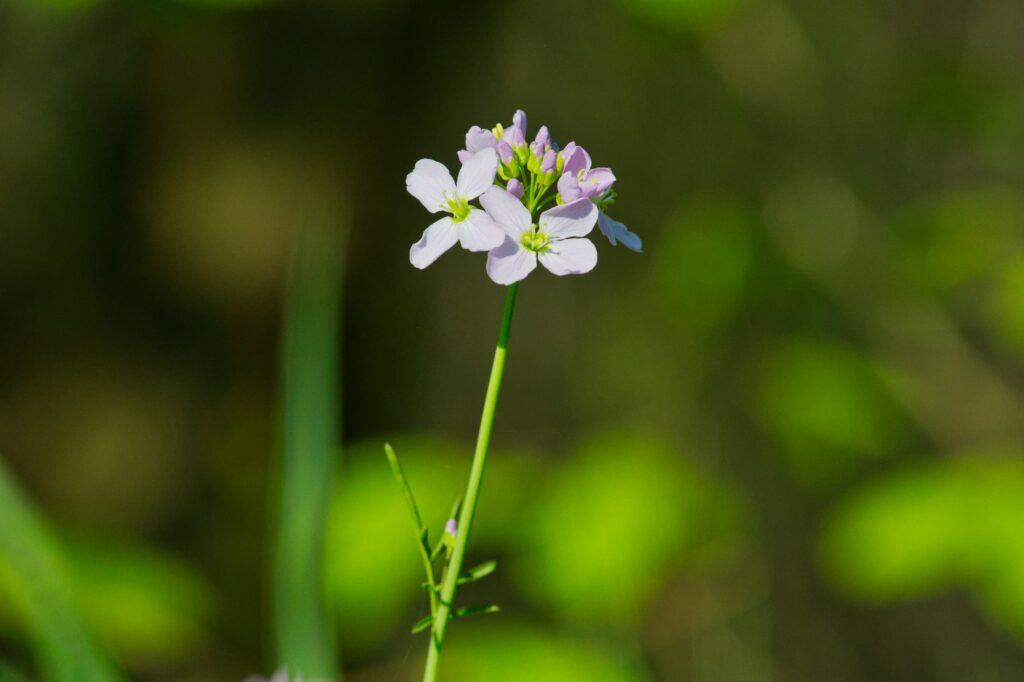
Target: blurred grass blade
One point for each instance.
(65, 649)
(304, 633)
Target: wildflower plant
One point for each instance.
(537, 204)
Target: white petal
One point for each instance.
(436, 239)
(429, 182)
(477, 173)
(574, 219)
(479, 233)
(507, 211)
(510, 262)
(617, 232)
(570, 257)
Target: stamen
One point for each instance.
(458, 207)
(535, 240)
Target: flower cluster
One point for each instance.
(514, 181)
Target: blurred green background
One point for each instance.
(783, 444)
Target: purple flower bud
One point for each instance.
(505, 152)
(519, 122)
(547, 164)
(543, 139)
(452, 527)
(515, 137)
(515, 188)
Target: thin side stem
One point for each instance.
(476, 476)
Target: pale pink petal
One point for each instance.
(431, 183)
(477, 173)
(574, 219)
(477, 138)
(570, 257)
(510, 262)
(576, 161)
(436, 239)
(569, 188)
(479, 233)
(597, 182)
(507, 211)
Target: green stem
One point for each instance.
(476, 475)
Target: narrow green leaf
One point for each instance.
(478, 572)
(403, 484)
(421, 531)
(310, 408)
(476, 610)
(65, 649)
(422, 624)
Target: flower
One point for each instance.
(432, 184)
(478, 139)
(515, 181)
(557, 240)
(451, 528)
(580, 180)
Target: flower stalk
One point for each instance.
(514, 183)
(476, 475)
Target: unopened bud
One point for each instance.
(549, 161)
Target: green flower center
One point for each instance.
(458, 207)
(535, 240)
